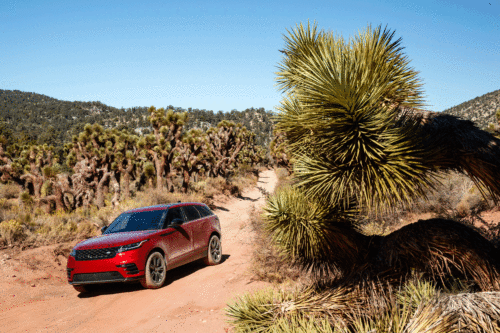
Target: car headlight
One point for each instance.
(73, 253)
(132, 246)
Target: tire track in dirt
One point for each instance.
(192, 300)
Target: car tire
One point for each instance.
(214, 256)
(155, 271)
(82, 289)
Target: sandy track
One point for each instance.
(38, 299)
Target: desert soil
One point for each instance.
(35, 295)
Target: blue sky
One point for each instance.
(222, 55)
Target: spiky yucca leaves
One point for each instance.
(339, 117)
(427, 318)
(478, 312)
(342, 309)
(272, 310)
(316, 237)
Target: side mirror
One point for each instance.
(176, 222)
(103, 229)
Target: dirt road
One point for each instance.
(35, 297)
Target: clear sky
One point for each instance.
(222, 55)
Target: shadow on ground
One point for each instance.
(173, 275)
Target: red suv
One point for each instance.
(143, 243)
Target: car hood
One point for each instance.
(114, 239)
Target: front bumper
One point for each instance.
(124, 267)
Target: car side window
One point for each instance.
(191, 213)
(204, 211)
(173, 213)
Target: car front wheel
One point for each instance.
(214, 251)
(155, 271)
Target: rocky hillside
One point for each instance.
(34, 118)
(480, 110)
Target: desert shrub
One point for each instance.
(65, 227)
(12, 231)
(9, 191)
(282, 173)
(455, 197)
(284, 178)
(211, 187)
(471, 202)
(267, 264)
(26, 199)
(152, 197)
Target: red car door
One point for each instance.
(178, 240)
(198, 226)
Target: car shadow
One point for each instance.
(110, 289)
(188, 269)
(173, 275)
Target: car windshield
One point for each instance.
(137, 221)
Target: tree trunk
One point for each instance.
(186, 176)
(126, 185)
(159, 173)
(59, 197)
(99, 195)
(116, 189)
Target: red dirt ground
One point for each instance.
(35, 295)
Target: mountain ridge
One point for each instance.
(481, 110)
(35, 118)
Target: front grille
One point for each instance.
(95, 254)
(96, 277)
(131, 269)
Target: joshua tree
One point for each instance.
(10, 168)
(278, 150)
(191, 155)
(126, 156)
(350, 120)
(251, 154)
(226, 141)
(94, 150)
(159, 146)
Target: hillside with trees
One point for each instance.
(481, 110)
(27, 117)
(103, 160)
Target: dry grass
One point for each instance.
(29, 226)
(210, 188)
(267, 264)
(9, 191)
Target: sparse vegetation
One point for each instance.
(30, 226)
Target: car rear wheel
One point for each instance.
(214, 251)
(155, 271)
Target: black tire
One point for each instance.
(155, 271)
(214, 256)
(82, 289)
